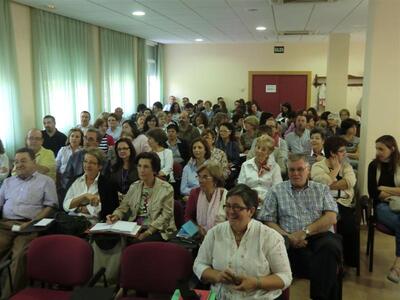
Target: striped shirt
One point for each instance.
(294, 209)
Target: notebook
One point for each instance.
(123, 227)
(188, 230)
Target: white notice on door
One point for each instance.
(270, 88)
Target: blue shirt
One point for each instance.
(189, 178)
(299, 144)
(294, 209)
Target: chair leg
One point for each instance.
(371, 250)
(358, 253)
(368, 239)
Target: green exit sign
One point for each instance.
(279, 49)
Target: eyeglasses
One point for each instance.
(123, 149)
(204, 177)
(299, 170)
(235, 208)
(32, 138)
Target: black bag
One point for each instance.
(71, 225)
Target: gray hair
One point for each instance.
(293, 157)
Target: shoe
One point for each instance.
(394, 275)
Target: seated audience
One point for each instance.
(85, 121)
(140, 141)
(242, 258)
(201, 121)
(187, 131)
(157, 107)
(158, 143)
(74, 143)
(317, 140)
(344, 114)
(171, 100)
(298, 141)
(227, 143)
(261, 172)
(332, 128)
(162, 120)
(349, 130)
(383, 183)
(208, 110)
(45, 161)
(217, 155)
(175, 111)
(338, 174)
(119, 112)
(149, 201)
(113, 127)
(52, 138)
(219, 118)
(91, 194)
(150, 122)
(246, 139)
(205, 204)
(26, 197)
(254, 110)
(140, 121)
(107, 141)
(304, 211)
(179, 148)
(286, 108)
(199, 154)
(4, 164)
(311, 111)
(124, 171)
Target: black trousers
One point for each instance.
(347, 228)
(319, 262)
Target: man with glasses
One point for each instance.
(304, 212)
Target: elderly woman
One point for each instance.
(200, 153)
(338, 174)
(158, 144)
(243, 258)
(317, 140)
(149, 201)
(91, 195)
(246, 139)
(261, 172)
(205, 204)
(384, 182)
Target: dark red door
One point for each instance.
(270, 91)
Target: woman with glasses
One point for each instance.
(205, 204)
(338, 174)
(200, 153)
(243, 258)
(124, 171)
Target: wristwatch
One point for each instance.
(306, 231)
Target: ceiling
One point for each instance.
(216, 21)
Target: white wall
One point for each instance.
(206, 71)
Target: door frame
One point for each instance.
(307, 73)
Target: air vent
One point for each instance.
(301, 1)
(295, 32)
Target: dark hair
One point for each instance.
(86, 112)
(154, 160)
(49, 117)
(98, 134)
(158, 104)
(230, 127)
(135, 131)
(248, 195)
(222, 106)
(99, 122)
(2, 147)
(289, 108)
(149, 118)
(207, 155)
(172, 107)
(173, 126)
(27, 150)
(71, 131)
(264, 117)
(189, 105)
(318, 131)
(347, 124)
(158, 135)
(140, 108)
(208, 131)
(203, 118)
(390, 142)
(324, 115)
(313, 111)
(265, 129)
(333, 144)
(113, 115)
(119, 163)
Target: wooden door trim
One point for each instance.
(307, 73)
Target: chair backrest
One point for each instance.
(154, 267)
(60, 259)
(178, 214)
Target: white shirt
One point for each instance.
(4, 163)
(167, 163)
(261, 252)
(84, 129)
(62, 158)
(249, 176)
(79, 188)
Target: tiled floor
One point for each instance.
(368, 286)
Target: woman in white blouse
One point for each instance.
(242, 258)
(261, 172)
(74, 143)
(158, 143)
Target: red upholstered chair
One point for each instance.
(154, 267)
(60, 260)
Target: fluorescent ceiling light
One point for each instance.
(261, 28)
(199, 40)
(138, 13)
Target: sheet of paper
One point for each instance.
(101, 227)
(125, 227)
(44, 222)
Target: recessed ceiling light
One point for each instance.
(51, 6)
(199, 40)
(261, 28)
(138, 13)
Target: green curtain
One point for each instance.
(117, 70)
(63, 68)
(142, 71)
(160, 70)
(11, 131)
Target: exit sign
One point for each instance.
(279, 49)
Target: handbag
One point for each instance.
(394, 203)
(71, 225)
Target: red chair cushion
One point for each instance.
(41, 294)
(383, 228)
